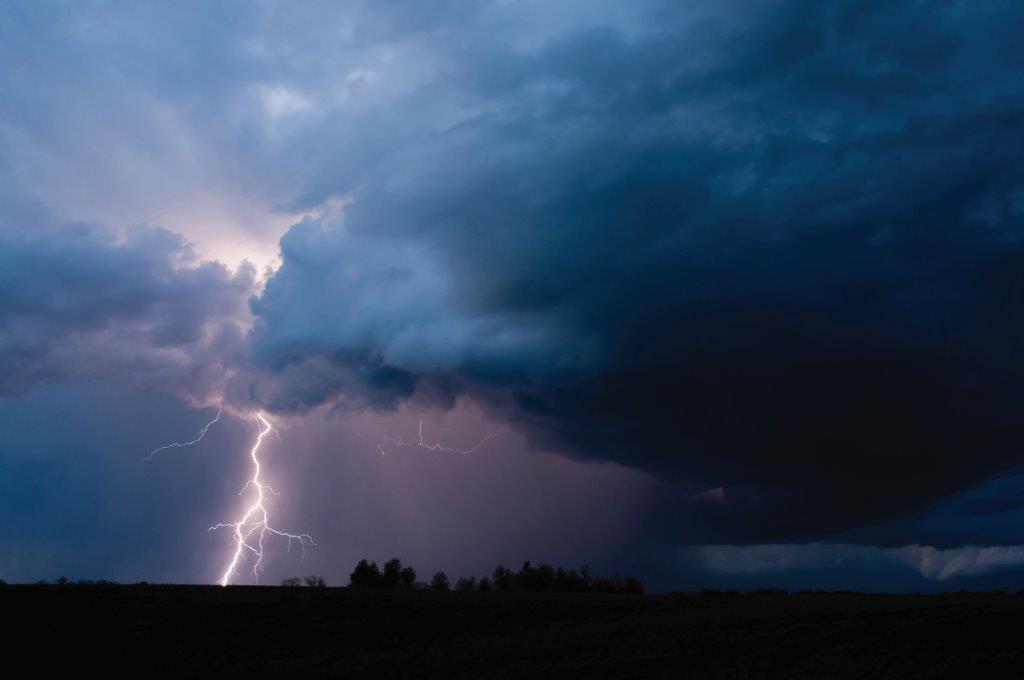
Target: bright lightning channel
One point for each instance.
(253, 527)
(251, 530)
(199, 437)
(388, 442)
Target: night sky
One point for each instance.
(736, 286)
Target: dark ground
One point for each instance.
(382, 633)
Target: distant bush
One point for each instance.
(293, 582)
(62, 581)
(408, 577)
(466, 585)
(314, 581)
(439, 581)
(484, 586)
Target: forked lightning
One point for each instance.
(388, 442)
(199, 437)
(253, 527)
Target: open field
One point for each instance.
(386, 633)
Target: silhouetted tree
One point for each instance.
(365, 575)
(439, 581)
(541, 578)
(62, 581)
(391, 577)
(526, 577)
(544, 578)
(568, 581)
(314, 581)
(293, 582)
(408, 577)
(502, 578)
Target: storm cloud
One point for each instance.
(768, 248)
(768, 253)
(78, 301)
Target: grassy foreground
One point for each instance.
(199, 630)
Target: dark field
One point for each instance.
(382, 633)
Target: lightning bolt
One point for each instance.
(388, 442)
(199, 437)
(252, 529)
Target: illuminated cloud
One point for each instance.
(79, 303)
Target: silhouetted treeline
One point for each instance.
(394, 575)
(542, 578)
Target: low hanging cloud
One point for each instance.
(933, 564)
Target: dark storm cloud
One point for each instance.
(990, 513)
(768, 251)
(77, 302)
(769, 247)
